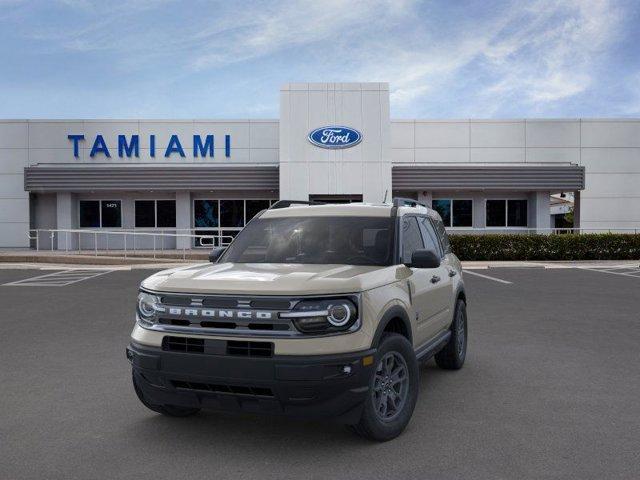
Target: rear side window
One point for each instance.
(430, 236)
(411, 238)
(442, 235)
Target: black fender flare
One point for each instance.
(395, 311)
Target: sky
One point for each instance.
(228, 59)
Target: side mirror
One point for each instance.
(424, 259)
(215, 254)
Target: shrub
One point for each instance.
(587, 246)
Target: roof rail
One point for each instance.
(288, 203)
(407, 202)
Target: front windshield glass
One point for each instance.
(320, 240)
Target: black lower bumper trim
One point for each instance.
(321, 386)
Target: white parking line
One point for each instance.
(499, 280)
(59, 279)
(623, 271)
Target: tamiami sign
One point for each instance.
(203, 146)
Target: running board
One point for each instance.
(433, 346)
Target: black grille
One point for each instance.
(219, 388)
(250, 349)
(271, 304)
(183, 344)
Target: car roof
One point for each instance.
(355, 209)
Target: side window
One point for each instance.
(411, 238)
(442, 234)
(430, 236)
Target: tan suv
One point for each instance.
(312, 311)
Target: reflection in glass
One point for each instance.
(443, 207)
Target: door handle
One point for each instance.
(435, 279)
(452, 273)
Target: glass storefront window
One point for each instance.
(205, 213)
(507, 213)
(517, 213)
(454, 213)
(111, 211)
(462, 213)
(155, 213)
(100, 213)
(232, 213)
(443, 207)
(145, 213)
(89, 214)
(496, 213)
(223, 217)
(254, 207)
(166, 213)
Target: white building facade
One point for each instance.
(203, 176)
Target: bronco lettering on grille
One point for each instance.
(217, 313)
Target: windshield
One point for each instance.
(320, 240)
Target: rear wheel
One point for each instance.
(169, 410)
(452, 356)
(393, 390)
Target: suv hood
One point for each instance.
(271, 278)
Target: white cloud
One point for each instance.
(542, 53)
(285, 25)
(534, 53)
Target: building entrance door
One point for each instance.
(335, 198)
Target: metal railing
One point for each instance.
(167, 240)
(534, 230)
(127, 241)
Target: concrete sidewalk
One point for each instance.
(483, 265)
(164, 259)
(89, 257)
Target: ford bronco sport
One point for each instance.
(313, 311)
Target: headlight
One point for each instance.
(148, 305)
(324, 315)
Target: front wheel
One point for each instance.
(393, 390)
(452, 356)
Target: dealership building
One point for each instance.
(332, 142)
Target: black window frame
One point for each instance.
(506, 202)
(425, 222)
(400, 246)
(100, 203)
(451, 201)
(155, 211)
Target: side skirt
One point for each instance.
(433, 346)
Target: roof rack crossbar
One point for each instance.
(288, 203)
(407, 202)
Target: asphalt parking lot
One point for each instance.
(551, 389)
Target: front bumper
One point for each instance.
(318, 386)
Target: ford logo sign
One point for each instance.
(335, 136)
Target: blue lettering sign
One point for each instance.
(99, 146)
(335, 136)
(152, 146)
(174, 147)
(202, 149)
(131, 148)
(75, 139)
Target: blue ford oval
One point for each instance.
(335, 136)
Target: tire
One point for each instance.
(382, 423)
(169, 410)
(452, 356)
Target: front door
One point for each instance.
(428, 286)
